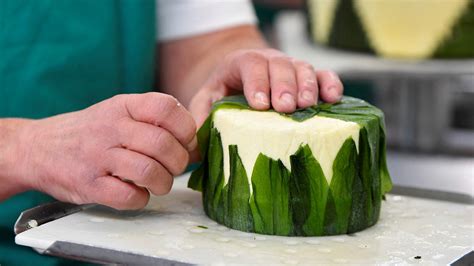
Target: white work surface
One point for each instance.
(438, 231)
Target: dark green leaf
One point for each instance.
(344, 171)
(308, 193)
(215, 180)
(261, 203)
(270, 198)
(280, 177)
(238, 208)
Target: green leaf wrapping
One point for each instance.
(300, 202)
(270, 202)
(308, 193)
(238, 208)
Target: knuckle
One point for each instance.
(303, 65)
(286, 84)
(184, 161)
(146, 171)
(163, 105)
(120, 98)
(166, 184)
(281, 60)
(161, 139)
(189, 134)
(251, 57)
(257, 81)
(180, 163)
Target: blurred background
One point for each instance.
(428, 100)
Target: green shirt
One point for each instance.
(62, 56)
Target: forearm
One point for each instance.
(185, 64)
(11, 159)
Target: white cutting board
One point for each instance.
(438, 231)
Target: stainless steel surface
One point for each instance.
(440, 177)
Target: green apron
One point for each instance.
(62, 56)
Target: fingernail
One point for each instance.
(307, 96)
(193, 144)
(261, 98)
(333, 90)
(333, 75)
(288, 99)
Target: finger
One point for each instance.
(307, 85)
(330, 86)
(253, 69)
(194, 156)
(165, 111)
(140, 169)
(283, 84)
(112, 192)
(201, 104)
(155, 142)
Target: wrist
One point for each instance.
(12, 157)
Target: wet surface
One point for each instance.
(410, 230)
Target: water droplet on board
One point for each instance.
(324, 250)
(223, 228)
(156, 233)
(313, 241)
(212, 223)
(291, 242)
(438, 256)
(188, 222)
(457, 247)
(248, 244)
(397, 198)
(222, 239)
(96, 220)
(339, 239)
(290, 250)
(196, 230)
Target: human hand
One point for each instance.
(268, 78)
(111, 153)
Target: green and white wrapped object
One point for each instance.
(413, 29)
(318, 171)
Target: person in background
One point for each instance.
(100, 100)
